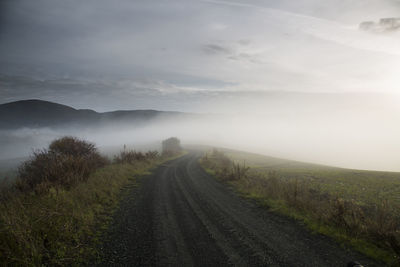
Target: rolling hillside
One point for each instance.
(38, 113)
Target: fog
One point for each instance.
(290, 79)
(353, 132)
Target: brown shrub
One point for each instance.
(132, 156)
(73, 146)
(67, 162)
(225, 168)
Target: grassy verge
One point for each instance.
(372, 229)
(63, 226)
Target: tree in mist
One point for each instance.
(171, 146)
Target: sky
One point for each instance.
(183, 55)
(299, 78)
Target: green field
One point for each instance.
(365, 187)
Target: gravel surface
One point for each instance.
(181, 216)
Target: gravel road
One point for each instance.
(181, 216)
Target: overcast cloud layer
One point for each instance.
(300, 78)
(134, 52)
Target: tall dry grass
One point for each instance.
(132, 156)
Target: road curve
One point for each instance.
(181, 216)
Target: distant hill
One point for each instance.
(39, 113)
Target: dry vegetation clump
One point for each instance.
(132, 156)
(73, 146)
(224, 167)
(65, 163)
(375, 225)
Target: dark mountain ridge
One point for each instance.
(38, 113)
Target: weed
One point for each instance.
(132, 156)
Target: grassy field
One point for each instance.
(357, 208)
(365, 187)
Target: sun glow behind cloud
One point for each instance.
(252, 45)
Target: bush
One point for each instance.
(132, 156)
(224, 167)
(67, 162)
(73, 147)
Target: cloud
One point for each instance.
(216, 49)
(163, 48)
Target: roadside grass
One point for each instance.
(366, 187)
(348, 205)
(62, 225)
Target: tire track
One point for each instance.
(242, 246)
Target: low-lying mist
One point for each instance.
(345, 130)
(243, 61)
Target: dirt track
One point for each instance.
(180, 216)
